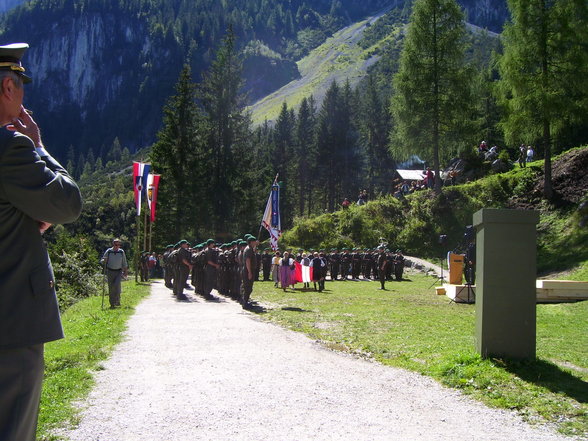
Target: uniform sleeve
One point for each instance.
(40, 188)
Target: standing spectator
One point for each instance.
(522, 156)
(429, 178)
(115, 264)
(318, 266)
(276, 268)
(286, 264)
(346, 203)
(530, 153)
(152, 263)
(35, 192)
(266, 263)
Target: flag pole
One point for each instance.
(137, 242)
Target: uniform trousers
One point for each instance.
(114, 279)
(179, 284)
(21, 377)
(246, 288)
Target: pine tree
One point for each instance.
(544, 72)
(432, 98)
(374, 126)
(227, 125)
(305, 154)
(179, 156)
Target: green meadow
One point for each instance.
(410, 327)
(91, 335)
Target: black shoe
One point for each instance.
(182, 297)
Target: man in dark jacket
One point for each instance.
(35, 192)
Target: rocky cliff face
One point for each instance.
(6, 5)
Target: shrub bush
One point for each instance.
(76, 267)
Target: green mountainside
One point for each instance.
(105, 68)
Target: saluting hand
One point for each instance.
(43, 226)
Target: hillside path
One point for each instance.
(207, 370)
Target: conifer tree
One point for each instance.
(374, 126)
(179, 156)
(544, 72)
(305, 154)
(227, 125)
(432, 88)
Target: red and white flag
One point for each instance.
(140, 174)
(152, 188)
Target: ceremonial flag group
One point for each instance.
(271, 217)
(145, 185)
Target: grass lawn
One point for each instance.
(409, 326)
(91, 334)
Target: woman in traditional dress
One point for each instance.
(285, 270)
(276, 269)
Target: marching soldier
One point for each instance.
(184, 267)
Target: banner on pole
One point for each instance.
(140, 175)
(271, 216)
(152, 188)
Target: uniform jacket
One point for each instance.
(31, 190)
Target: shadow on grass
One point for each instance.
(550, 376)
(291, 308)
(256, 308)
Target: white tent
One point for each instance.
(411, 175)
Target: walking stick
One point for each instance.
(103, 282)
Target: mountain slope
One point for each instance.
(340, 58)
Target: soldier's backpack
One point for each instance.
(173, 257)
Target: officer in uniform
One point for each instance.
(35, 192)
(382, 264)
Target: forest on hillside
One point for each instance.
(434, 97)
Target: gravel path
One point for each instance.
(210, 371)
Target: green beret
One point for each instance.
(251, 239)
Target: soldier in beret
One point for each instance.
(35, 192)
(248, 273)
(184, 265)
(212, 266)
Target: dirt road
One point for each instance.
(211, 371)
